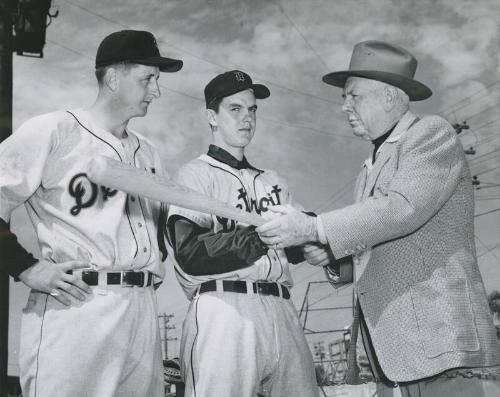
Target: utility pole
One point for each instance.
(165, 327)
(6, 48)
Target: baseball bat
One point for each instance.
(132, 180)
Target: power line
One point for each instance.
(484, 154)
(473, 115)
(280, 122)
(336, 291)
(489, 250)
(487, 140)
(447, 109)
(220, 66)
(484, 160)
(486, 171)
(310, 275)
(487, 124)
(486, 213)
(298, 126)
(88, 57)
(487, 198)
(469, 117)
(335, 195)
(278, 5)
(485, 246)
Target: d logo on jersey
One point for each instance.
(85, 192)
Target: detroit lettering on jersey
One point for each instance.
(85, 192)
(251, 205)
(260, 206)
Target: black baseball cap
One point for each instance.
(230, 83)
(133, 46)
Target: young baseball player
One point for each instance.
(241, 335)
(92, 331)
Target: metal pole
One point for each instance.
(5, 130)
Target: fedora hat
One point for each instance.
(384, 62)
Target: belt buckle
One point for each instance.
(261, 287)
(257, 287)
(124, 281)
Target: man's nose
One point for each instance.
(347, 106)
(155, 89)
(247, 116)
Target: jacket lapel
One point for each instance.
(361, 182)
(386, 151)
(383, 157)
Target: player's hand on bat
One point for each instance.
(293, 227)
(52, 278)
(270, 215)
(316, 254)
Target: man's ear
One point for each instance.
(111, 79)
(390, 98)
(211, 117)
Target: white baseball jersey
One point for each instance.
(238, 343)
(249, 189)
(108, 344)
(43, 167)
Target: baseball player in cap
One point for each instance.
(90, 325)
(242, 334)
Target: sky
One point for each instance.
(301, 132)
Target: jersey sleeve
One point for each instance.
(22, 160)
(193, 176)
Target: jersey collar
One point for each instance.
(225, 157)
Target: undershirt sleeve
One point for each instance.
(200, 251)
(15, 258)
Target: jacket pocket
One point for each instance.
(444, 315)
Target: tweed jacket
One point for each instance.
(411, 232)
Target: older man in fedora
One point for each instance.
(420, 300)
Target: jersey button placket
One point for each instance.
(141, 233)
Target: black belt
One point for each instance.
(259, 287)
(129, 278)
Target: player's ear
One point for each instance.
(111, 79)
(211, 117)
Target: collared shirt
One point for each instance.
(225, 157)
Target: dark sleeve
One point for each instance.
(294, 255)
(200, 251)
(162, 232)
(14, 257)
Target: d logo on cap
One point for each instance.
(239, 76)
